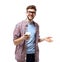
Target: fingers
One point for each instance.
(26, 37)
(49, 37)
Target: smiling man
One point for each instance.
(26, 38)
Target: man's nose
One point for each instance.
(31, 13)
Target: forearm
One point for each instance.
(40, 40)
(17, 41)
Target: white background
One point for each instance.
(48, 17)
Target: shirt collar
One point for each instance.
(29, 22)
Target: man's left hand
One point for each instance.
(48, 39)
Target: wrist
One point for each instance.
(43, 39)
(23, 37)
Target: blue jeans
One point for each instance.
(30, 58)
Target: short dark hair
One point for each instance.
(31, 7)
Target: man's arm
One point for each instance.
(40, 40)
(22, 38)
(48, 39)
(17, 41)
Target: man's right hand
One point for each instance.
(26, 37)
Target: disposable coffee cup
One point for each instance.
(27, 33)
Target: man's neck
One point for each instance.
(29, 21)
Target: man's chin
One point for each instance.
(30, 18)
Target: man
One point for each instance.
(26, 38)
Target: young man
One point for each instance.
(26, 38)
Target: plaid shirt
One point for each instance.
(20, 51)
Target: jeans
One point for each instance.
(30, 58)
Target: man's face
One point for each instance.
(31, 14)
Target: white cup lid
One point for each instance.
(27, 33)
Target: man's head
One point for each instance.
(31, 12)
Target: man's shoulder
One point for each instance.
(21, 22)
(36, 23)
